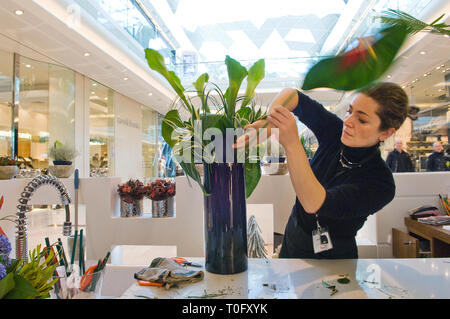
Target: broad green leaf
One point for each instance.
(200, 88)
(171, 119)
(252, 177)
(236, 74)
(22, 289)
(332, 72)
(6, 284)
(156, 62)
(255, 75)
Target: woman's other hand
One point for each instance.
(253, 135)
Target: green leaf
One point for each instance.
(236, 74)
(255, 75)
(252, 177)
(23, 289)
(330, 72)
(156, 62)
(169, 122)
(6, 284)
(191, 171)
(200, 88)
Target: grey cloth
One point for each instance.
(168, 272)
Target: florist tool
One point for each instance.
(62, 253)
(185, 262)
(149, 283)
(72, 260)
(76, 185)
(81, 253)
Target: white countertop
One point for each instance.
(302, 278)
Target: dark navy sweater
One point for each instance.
(351, 194)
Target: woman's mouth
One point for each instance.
(346, 133)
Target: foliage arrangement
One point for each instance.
(372, 57)
(28, 280)
(228, 110)
(161, 189)
(62, 152)
(132, 190)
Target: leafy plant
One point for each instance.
(8, 161)
(29, 280)
(372, 57)
(227, 110)
(62, 152)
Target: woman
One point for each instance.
(346, 180)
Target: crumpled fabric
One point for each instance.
(168, 272)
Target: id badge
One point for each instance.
(321, 240)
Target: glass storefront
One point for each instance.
(6, 75)
(46, 111)
(101, 130)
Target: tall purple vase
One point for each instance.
(225, 218)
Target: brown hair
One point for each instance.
(392, 101)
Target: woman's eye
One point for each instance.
(362, 121)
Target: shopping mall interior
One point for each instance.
(74, 73)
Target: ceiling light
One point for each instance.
(423, 52)
(28, 65)
(438, 68)
(403, 86)
(86, 54)
(106, 99)
(150, 94)
(18, 12)
(94, 84)
(388, 76)
(125, 78)
(443, 71)
(92, 92)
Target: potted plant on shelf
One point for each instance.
(8, 167)
(274, 162)
(62, 155)
(227, 180)
(162, 193)
(131, 198)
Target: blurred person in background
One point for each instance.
(438, 161)
(398, 160)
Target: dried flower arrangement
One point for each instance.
(161, 189)
(132, 190)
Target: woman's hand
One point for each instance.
(282, 119)
(253, 135)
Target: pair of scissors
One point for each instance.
(185, 262)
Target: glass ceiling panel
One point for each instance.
(196, 35)
(289, 34)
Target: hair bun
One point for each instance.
(413, 112)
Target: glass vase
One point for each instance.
(225, 218)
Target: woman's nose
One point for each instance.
(348, 120)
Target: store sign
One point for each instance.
(128, 122)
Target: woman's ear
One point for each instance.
(386, 134)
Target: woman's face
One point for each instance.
(361, 123)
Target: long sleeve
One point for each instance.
(360, 198)
(319, 120)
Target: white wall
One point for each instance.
(128, 137)
(412, 190)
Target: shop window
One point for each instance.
(101, 130)
(6, 75)
(46, 110)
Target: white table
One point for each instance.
(302, 278)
